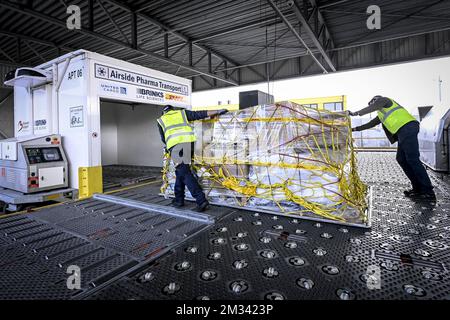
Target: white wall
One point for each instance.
(131, 135)
(108, 125)
(410, 84)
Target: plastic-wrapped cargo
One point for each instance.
(370, 138)
(284, 159)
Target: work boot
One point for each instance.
(424, 196)
(177, 204)
(202, 207)
(409, 193)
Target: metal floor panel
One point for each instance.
(115, 176)
(132, 231)
(258, 256)
(34, 257)
(103, 239)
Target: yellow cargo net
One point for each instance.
(283, 158)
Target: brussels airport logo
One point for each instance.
(374, 21)
(22, 125)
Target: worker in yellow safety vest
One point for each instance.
(400, 126)
(178, 136)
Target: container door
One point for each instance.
(49, 177)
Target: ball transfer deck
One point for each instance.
(132, 244)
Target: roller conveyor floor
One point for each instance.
(130, 253)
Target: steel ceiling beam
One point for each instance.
(32, 39)
(295, 33)
(371, 33)
(41, 16)
(237, 18)
(361, 44)
(245, 26)
(149, 5)
(266, 22)
(257, 23)
(322, 24)
(332, 4)
(250, 45)
(35, 51)
(312, 35)
(10, 64)
(250, 25)
(111, 19)
(2, 134)
(167, 29)
(393, 15)
(2, 52)
(274, 41)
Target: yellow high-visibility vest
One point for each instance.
(176, 128)
(394, 117)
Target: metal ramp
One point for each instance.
(104, 237)
(35, 256)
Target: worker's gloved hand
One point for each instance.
(352, 113)
(216, 113)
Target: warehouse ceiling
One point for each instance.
(227, 42)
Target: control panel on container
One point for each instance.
(43, 155)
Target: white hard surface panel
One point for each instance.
(108, 125)
(49, 177)
(9, 151)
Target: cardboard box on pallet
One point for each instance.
(232, 158)
(203, 134)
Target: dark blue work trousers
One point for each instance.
(185, 177)
(408, 157)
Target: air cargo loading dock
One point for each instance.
(101, 109)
